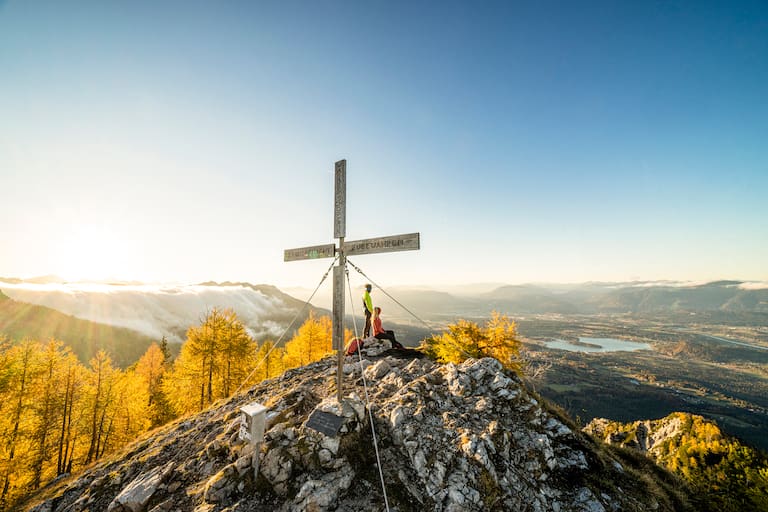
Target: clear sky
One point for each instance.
(525, 141)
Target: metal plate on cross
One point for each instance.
(325, 423)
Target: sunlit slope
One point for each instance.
(732, 476)
(19, 320)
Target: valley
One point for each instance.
(706, 363)
(688, 369)
(712, 362)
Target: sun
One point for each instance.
(93, 252)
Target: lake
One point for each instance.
(598, 345)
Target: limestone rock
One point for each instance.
(378, 370)
(137, 494)
(454, 437)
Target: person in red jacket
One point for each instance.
(379, 333)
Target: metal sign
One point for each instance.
(310, 253)
(325, 423)
(340, 202)
(409, 242)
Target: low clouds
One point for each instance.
(754, 285)
(157, 310)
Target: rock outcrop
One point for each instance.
(465, 437)
(646, 436)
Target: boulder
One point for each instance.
(135, 496)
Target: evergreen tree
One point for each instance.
(167, 358)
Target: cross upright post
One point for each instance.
(408, 242)
(339, 231)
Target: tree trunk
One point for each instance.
(26, 356)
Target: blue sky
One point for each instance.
(537, 141)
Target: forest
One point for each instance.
(725, 474)
(59, 415)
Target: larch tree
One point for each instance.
(216, 357)
(129, 416)
(151, 369)
(312, 341)
(14, 432)
(72, 382)
(6, 367)
(45, 410)
(101, 400)
(184, 385)
(464, 339)
(235, 354)
(269, 362)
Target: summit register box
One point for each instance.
(252, 421)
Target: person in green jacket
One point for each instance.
(368, 309)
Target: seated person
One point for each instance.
(379, 333)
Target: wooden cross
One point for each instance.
(408, 242)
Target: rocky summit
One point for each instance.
(466, 437)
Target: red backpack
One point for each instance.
(354, 346)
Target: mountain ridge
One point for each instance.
(466, 437)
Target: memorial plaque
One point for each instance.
(325, 423)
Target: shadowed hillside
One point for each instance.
(158, 311)
(19, 320)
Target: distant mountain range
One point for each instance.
(587, 298)
(157, 311)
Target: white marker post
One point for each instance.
(252, 426)
(409, 242)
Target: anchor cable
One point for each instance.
(367, 398)
(298, 312)
(455, 345)
(388, 295)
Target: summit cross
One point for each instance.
(407, 242)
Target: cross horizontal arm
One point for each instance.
(408, 242)
(310, 253)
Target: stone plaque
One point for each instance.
(325, 423)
